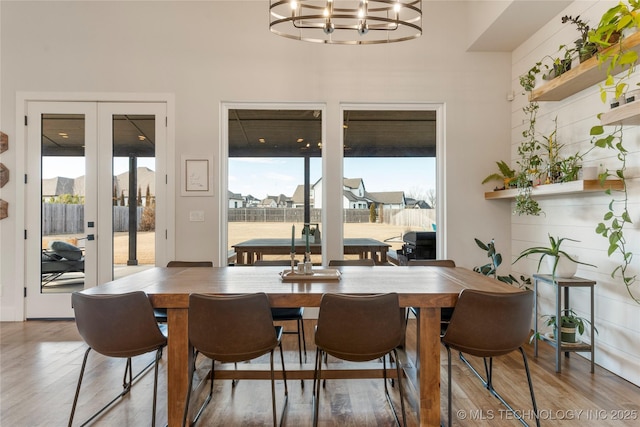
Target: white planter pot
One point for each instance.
(566, 268)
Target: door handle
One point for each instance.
(91, 237)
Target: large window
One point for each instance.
(389, 186)
(274, 166)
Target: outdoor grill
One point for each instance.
(419, 245)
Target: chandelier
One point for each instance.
(346, 21)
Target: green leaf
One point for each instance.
(609, 81)
(601, 228)
(597, 130)
(612, 249)
(626, 217)
(481, 244)
(608, 216)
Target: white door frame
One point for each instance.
(165, 164)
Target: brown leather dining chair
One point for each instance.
(161, 313)
(488, 325)
(105, 324)
(366, 262)
(359, 329)
(232, 329)
(285, 314)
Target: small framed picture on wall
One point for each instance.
(197, 176)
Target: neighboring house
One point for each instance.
(145, 177)
(355, 196)
(250, 201)
(297, 200)
(280, 201)
(268, 203)
(59, 185)
(235, 200)
(389, 199)
(416, 204)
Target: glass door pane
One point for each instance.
(134, 185)
(63, 239)
(390, 176)
(275, 170)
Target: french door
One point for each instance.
(94, 195)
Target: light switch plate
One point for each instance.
(196, 216)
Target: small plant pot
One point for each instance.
(568, 332)
(586, 52)
(565, 269)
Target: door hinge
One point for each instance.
(25, 234)
(25, 178)
(25, 120)
(166, 121)
(25, 291)
(166, 234)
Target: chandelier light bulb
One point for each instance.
(328, 27)
(346, 22)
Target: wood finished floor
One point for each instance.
(40, 362)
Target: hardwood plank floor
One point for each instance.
(40, 362)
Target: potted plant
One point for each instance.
(585, 48)
(614, 23)
(560, 263)
(506, 176)
(491, 268)
(561, 64)
(571, 325)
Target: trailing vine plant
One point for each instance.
(529, 164)
(617, 218)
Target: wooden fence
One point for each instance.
(417, 218)
(69, 219)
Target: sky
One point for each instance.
(274, 176)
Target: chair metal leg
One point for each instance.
(533, 397)
(316, 386)
(126, 386)
(286, 390)
(450, 385)
(304, 341)
(488, 384)
(205, 403)
(386, 389)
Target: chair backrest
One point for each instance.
(368, 262)
(190, 264)
(359, 328)
(431, 263)
(488, 324)
(117, 325)
(231, 328)
(273, 262)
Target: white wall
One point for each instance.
(617, 316)
(209, 52)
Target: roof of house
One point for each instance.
(388, 197)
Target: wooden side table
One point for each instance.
(559, 285)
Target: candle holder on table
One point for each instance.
(308, 267)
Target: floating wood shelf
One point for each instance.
(582, 76)
(580, 186)
(627, 114)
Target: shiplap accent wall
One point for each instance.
(575, 216)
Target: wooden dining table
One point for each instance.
(255, 249)
(426, 288)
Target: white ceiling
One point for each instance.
(514, 23)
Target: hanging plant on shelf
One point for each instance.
(620, 19)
